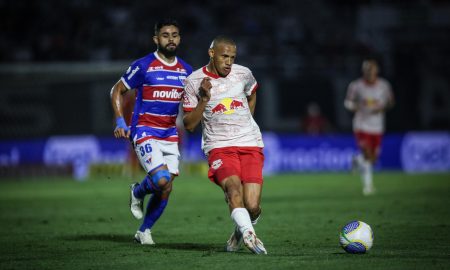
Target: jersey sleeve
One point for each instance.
(190, 99)
(134, 76)
(350, 98)
(351, 92)
(250, 83)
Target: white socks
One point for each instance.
(360, 162)
(367, 174)
(241, 217)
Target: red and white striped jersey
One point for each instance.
(368, 98)
(159, 86)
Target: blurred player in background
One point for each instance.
(314, 121)
(159, 80)
(368, 97)
(222, 96)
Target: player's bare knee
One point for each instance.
(234, 196)
(233, 191)
(167, 188)
(161, 179)
(254, 211)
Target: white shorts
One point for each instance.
(155, 153)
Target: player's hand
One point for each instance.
(121, 130)
(205, 89)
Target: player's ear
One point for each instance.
(211, 53)
(155, 40)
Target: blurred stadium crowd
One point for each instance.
(302, 51)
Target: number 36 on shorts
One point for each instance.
(145, 149)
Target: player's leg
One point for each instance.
(358, 159)
(373, 151)
(367, 174)
(239, 214)
(251, 203)
(232, 188)
(234, 243)
(252, 199)
(364, 161)
(371, 155)
(162, 178)
(225, 170)
(155, 208)
(252, 160)
(146, 154)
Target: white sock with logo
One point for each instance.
(242, 219)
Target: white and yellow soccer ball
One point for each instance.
(356, 237)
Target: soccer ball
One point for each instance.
(356, 237)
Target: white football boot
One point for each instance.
(369, 190)
(145, 238)
(136, 205)
(253, 243)
(235, 241)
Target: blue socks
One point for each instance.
(155, 208)
(144, 188)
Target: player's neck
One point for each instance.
(212, 69)
(167, 58)
(370, 81)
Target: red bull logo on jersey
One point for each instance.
(371, 102)
(228, 106)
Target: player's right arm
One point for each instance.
(192, 118)
(132, 79)
(350, 100)
(121, 130)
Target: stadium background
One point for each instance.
(59, 60)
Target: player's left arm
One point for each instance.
(390, 99)
(252, 102)
(117, 92)
(251, 85)
(350, 102)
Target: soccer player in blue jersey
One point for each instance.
(158, 79)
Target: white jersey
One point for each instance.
(367, 97)
(227, 120)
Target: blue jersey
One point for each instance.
(159, 87)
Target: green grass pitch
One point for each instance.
(64, 224)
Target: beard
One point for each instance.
(168, 52)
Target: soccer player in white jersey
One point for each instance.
(368, 97)
(159, 82)
(222, 96)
